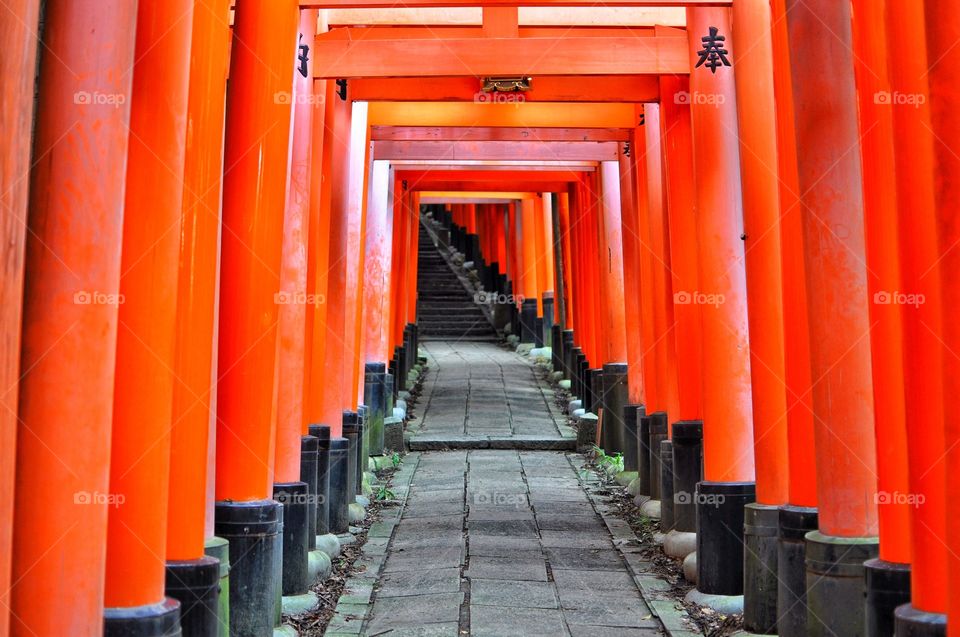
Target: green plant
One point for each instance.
(396, 460)
(604, 461)
(383, 493)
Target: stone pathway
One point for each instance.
(493, 542)
(479, 395)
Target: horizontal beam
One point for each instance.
(479, 199)
(530, 151)
(507, 195)
(581, 115)
(488, 186)
(546, 88)
(432, 57)
(487, 176)
(412, 4)
(493, 133)
(528, 16)
(435, 167)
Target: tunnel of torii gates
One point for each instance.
(734, 222)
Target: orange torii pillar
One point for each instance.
(921, 269)
(629, 221)
(687, 429)
(378, 275)
(527, 271)
(357, 175)
(18, 29)
(565, 298)
(727, 411)
(761, 218)
(943, 32)
(544, 250)
(193, 578)
(290, 487)
(254, 195)
(799, 515)
(888, 576)
(830, 180)
(134, 596)
(614, 393)
(71, 294)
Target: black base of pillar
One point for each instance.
(794, 523)
(374, 397)
(196, 585)
(251, 528)
(720, 507)
(594, 390)
(835, 583)
(340, 494)
(322, 434)
(643, 453)
(888, 586)
(614, 398)
(631, 433)
(351, 431)
(687, 472)
(538, 332)
(658, 433)
(568, 356)
(760, 525)
(556, 348)
(153, 620)
(295, 498)
(309, 451)
(528, 321)
(911, 622)
(666, 486)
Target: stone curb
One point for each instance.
(671, 613)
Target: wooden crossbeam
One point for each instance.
(530, 151)
(494, 133)
(413, 4)
(547, 88)
(355, 54)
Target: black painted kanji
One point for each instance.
(713, 53)
(304, 57)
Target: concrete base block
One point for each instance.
(651, 509)
(541, 353)
(393, 434)
(564, 384)
(680, 544)
(400, 413)
(624, 478)
(724, 604)
(577, 414)
(634, 487)
(574, 405)
(587, 432)
(690, 568)
(556, 376)
(524, 348)
(640, 498)
(285, 631)
(512, 339)
(357, 512)
(319, 565)
(329, 544)
(299, 604)
(362, 500)
(658, 538)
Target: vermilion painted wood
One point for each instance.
(18, 29)
(377, 271)
(500, 22)
(565, 241)
(413, 243)
(680, 191)
(663, 349)
(920, 264)
(831, 188)
(188, 500)
(796, 331)
(359, 52)
(631, 274)
(546, 88)
(360, 159)
(69, 334)
(295, 302)
(648, 340)
(497, 150)
(761, 225)
(143, 386)
(255, 159)
(370, 4)
(943, 31)
(727, 408)
(572, 115)
(543, 254)
(612, 274)
(490, 133)
(527, 245)
(883, 277)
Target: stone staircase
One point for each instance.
(446, 311)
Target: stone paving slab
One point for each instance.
(496, 542)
